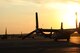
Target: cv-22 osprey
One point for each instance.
(54, 33)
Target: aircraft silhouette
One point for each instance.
(54, 33)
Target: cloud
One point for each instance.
(47, 1)
(16, 2)
(38, 2)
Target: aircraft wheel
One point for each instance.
(55, 39)
(68, 40)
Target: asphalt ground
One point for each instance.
(40, 46)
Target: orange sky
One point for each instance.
(19, 15)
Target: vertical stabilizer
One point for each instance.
(5, 31)
(76, 21)
(79, 25)
(37, 26)
(61, 25)
(79, 28)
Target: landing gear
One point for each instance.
(55, 40)
(68, 39)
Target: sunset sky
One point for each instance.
(19, 15)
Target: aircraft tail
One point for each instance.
(79, 25)
(6, 31)
(37, 26)
(61, 25)
(76, 21)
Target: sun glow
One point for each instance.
(71, 16)
(67, 11)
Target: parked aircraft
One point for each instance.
(54, 33)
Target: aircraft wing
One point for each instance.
(49, 30)
(58, 30)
